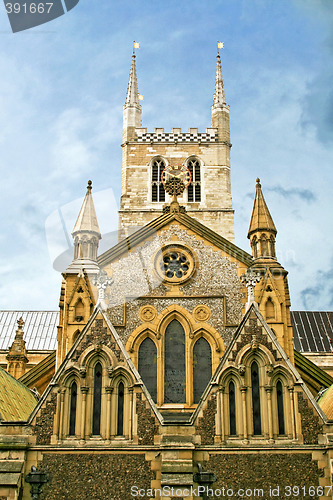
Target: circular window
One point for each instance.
(174, 263)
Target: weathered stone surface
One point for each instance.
(206, 424)
(264, 470)
(147, 427)
(94, 476)
(312, 424)
(44, 423)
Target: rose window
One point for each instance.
(174, 263)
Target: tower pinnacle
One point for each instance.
(132, 107)
(219, 96)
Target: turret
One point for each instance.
(17, 355)
(262, 230)
(86, 235)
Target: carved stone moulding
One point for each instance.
(147, 313)
(201, 313)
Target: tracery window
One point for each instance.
(148, 366)
(279, 396)
(72, 410)
(97, 398)
(255, 399)
(120, 415)
(202, 367)
(232, 408)
(194, 188)
(157, 188)
(174, 364)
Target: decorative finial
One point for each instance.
(102, 281)
(89, 187)
(258, 182)
(20, 323)
(220, 45)
(250, 278)
(136, 45)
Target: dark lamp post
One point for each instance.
(36, 479)
(205, 479)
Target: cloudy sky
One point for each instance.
(62, 88)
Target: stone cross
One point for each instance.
(250, 278)
(102, 281)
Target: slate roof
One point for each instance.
(312, 330)
(16, 400)
(40, 329)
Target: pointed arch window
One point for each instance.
(120, 415)
(202, 367)
(232, 408)
(72, 410)
(97, 399)
(148, 366)
(194, 188)
(279, 396)
(157, 188)
(270, 309)
(255, 399)
(174, 364)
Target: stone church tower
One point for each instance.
(206, 154)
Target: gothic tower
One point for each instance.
(206, 154)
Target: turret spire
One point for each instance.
(262, 230)
(219, 96)
(86, 232)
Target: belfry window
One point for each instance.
(72, 410)
(96, 427)
(232, 408)
(148, 366)
(202, 367)
(255, 399)
(194, 188)
(157, 188)
(279, 395)
(174, 364)
(120, 416)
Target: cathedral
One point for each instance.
(171, 369)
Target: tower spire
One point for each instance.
(262, 230)
(132, 107)
(86, 233)
(219, 96)
(132, 96)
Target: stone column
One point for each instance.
(245, 431)
(109, 391)
(268, 390)
(61, 424)
(130, 430)
(292, 411)
(84, 391)
(57, 415)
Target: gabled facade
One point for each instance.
(174, 348)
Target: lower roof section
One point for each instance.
(40, 329)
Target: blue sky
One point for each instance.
(62, 89)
